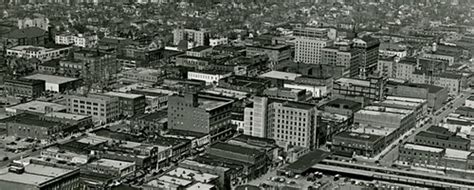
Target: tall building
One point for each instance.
(198, 37)
(102, 108)
(130, 104)
(309, 43)
(370, 54)
(372, 89)
(349, 58)
(288, 123)
(200, 113)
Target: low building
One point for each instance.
(420, 155)
(419, 106)
(143, 75)
(250, 85)
(109, 167)
(78, 40)
(469, 102)
(287, 94)
(38, 177)
(342, 107)
(150, 123)
(39, 52)
(57, 84)
(182, 178)
(443, 138)
(359, 90)
(33, 126)
(24, 87)
(465, 111)
(210, 77)
(35, 107)
(351, 143)
(129, 104)
(80, 121)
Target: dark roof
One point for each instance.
(453, 138)
(30, 32)
(253, 140)
(450, 75)
(199, 48)
(29, 119)
(235, 148)
(350, 103)
(439, 130)
(153, 116)
(466, 109)
(51, 63)
(186, 133)
(117, 135)
(292, 104)
(431, 88)
(359, 136)
(307, 161)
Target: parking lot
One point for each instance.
(11, 147)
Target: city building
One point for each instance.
(435, 95)
(387, 66)
(342, 107)
(30, 36)
(252, 85)
(80, 122)
(309, 43)
(400, 119)
(198, 37)
(24, 87)
(39, 22)
(129, 104)
(27, 125)
(109, 167)
(442, 138)
(268, 118)
(102, 108)
(419, 106)
(349, 58)
(55, 83)
(39, 52)
(38, 177)
(370, 54)
(218, 41)
(35, 107)
(175, 180)
(469, 102)
(78, 40)
(453, 82)
(296, 95)
(143, 75)
(351, 143)
(277, 53)
(360, 90)
(210, 77)
(200, 113)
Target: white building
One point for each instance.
(55, 83)
(79, 40)
(218, 41)
(40, 22)
(210, 77)
(469, 102)
(41, 53)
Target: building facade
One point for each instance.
(24, 87)
(102, 108)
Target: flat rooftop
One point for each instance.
(280, 75)
(307, 161)
(405, 99)
(211, 102)
(37, 107)
(359, 136)
(201, 186)
(409, 105)
(192, 175)
(457, 154)
(388, 110)
(171, 180)
(34, 174)
(423, 148)
(52, 79)
(236, 149)
(30, 119)
(112, 163)
(352, 81)
(374, 130)
(123, 95)
(68, 116)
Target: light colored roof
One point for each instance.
(374, 130)
(422, 148)
(172, 180)
(52, 79)
(280, 75)
(68, 116)
(34, 174)
(93, 140)
(123, 95)
(384, 109)
(201, 186)
(405, 99)
(36, 106)
(192, 174)
(113, 163)
(457, 154)
(353, 81)
(401, 103)
(210, 103)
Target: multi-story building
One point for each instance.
(78, 40)
(405, 68)
(453, 82)
(270, 118)
(309, 43)
(352, 143)
(345, 56)
(24, 87)
(287, 94)
(370, 54)
(102, 108)
(27, 125)
(143, 75)
(40, 22)
(39, 52)
(420, 155)
(419, 106)
(371, 89)
(198, 37)
(55, 83)
(387, 66)
(200, 113)
(442, 138)
(31, 36)
(129, 104)
(211, 77)
(109, 167)
(38, 177)
(435, 95)
(276, 53)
